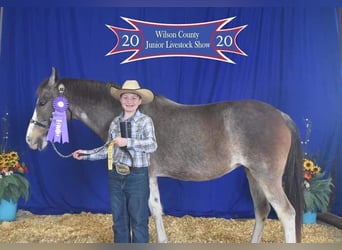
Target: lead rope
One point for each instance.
(60, 154)
(69, 155)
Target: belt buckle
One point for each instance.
(122, 169)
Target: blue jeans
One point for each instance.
(129, 203)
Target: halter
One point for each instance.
(42, 125)
(39, 124)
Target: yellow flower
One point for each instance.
(316, 169)
(308, 165)
(13, 155)
(9, 159)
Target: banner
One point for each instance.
(151, 40)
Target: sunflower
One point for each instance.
(6, 158)
(10, 161)
(310, 169)
(316, 169)
(308, 165)
(13, 156)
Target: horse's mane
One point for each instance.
(82, 89)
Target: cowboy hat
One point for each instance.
(132, 86)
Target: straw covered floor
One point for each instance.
(97, 228)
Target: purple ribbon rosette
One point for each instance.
(59, 129)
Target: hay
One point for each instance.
(97, 228)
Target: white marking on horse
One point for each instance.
(84, 116)
(30, 127)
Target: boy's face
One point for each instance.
(130, 102)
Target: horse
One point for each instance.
(197, 143)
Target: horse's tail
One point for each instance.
(294, 175)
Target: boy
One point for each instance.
(128, 180)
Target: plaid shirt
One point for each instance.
(141, 144)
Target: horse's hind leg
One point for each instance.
(275, 195)
(157, 210)
(261, 207)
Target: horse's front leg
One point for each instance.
(157, 210)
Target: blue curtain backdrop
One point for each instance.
(293, 63)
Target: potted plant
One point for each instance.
(317, 190)
(13, 184)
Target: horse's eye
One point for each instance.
(41, 103)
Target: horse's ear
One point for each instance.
(53, 77)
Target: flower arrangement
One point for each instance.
(316, 188)
(12, 184)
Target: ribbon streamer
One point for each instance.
(58, 130)
(110, 155)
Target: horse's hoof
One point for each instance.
(162, 240)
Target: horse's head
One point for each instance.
(40, 121)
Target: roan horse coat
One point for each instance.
(198, 142)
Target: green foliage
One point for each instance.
(13, 187)
(316, 195)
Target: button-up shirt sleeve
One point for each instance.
(101, 152)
